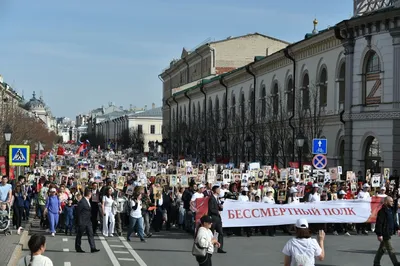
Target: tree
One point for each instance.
(132, 138)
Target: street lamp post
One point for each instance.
(248, 142)
(7, 137)
(300, 143)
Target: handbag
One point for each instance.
(198, 251)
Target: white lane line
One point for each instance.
(113, 240)
(116, 246)
(65, 239)
(126, 259)
(67, 263)
(109, 252)
(121, 252)
(65, 249)
(134, 254)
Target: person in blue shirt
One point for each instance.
(19, 202)
(5, 190)
(68, 211)
(53, 210)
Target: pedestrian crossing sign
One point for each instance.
(19, 155)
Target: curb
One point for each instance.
(23, 242)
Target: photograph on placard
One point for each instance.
(333, 173)
(386, 174)
(211, 175)
(144, 160)
(226, 175)
(173, 181)
(300, 191)
(120, 182)
(184, 181)
(129, 190)
(283, 175)
(189, 169)
(157, 193)
(182, 164)
(281, 195)
(245, 179)
(260, 175)
(376, 180)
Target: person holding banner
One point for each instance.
(302, 249)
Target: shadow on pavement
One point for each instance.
(163, 250)
(362, 251)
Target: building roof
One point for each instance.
(35, 103)
(154, 112)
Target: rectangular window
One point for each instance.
(140, 129)
(152, 129)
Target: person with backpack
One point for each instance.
(302, 250)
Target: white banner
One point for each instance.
(242, 214)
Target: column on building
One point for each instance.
(396, 97)
(348, 126)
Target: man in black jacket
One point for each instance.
(84, 223)
(214, 207)
(386, 226)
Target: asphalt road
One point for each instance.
(174, 248)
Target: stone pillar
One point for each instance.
(348, 126)
(396, 100)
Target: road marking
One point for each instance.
(65, 239)
(121, 252)
(113, 240)
(110, 253)
(65, 249)
(116, 246)
(134, 254)
(67, 263)
(126, 259)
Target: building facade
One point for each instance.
(339, 84)
(38, 108)
(148, 123)
(214, 58)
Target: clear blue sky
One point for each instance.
(82, 54)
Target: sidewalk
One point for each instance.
(10, 245)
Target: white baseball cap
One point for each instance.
(246, 189)
(293, 190)
(315, 185)
(200, 186)
(383, 188)
(366, 185)
(302, 223)
(342, 192)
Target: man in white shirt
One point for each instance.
(224, 189)
(199, 194)
(363, 195)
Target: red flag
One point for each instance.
(202, 208)
(60, 151)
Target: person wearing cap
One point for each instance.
(224, 189)
(386, 226)
(293, 196)
(302, 249)
(363, 195)
(269, 196)
(314, 196)
(53, 210)
(214, 209)
(199, 194)
(341, 227)
(205, 239)
(244, 195)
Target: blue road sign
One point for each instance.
(320, 146)
(319, 161)
(19, 155)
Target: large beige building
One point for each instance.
(211, 59)
(339, 83)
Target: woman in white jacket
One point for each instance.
(205, 239)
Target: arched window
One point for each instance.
(263, 97)
(323, 88)
(224, 110)
(217, 111)
(242, 108)
(342, 83)
(372, 79)
(199, 111)
(275, 99)
(289, 92)
(210, 109)
(233, 107)
(194, 113)
(306, 92)
(251, 103)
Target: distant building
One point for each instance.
(39, 109)
(149, 122)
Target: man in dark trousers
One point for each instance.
(84, 223)
(214, 207)
(386, 226)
